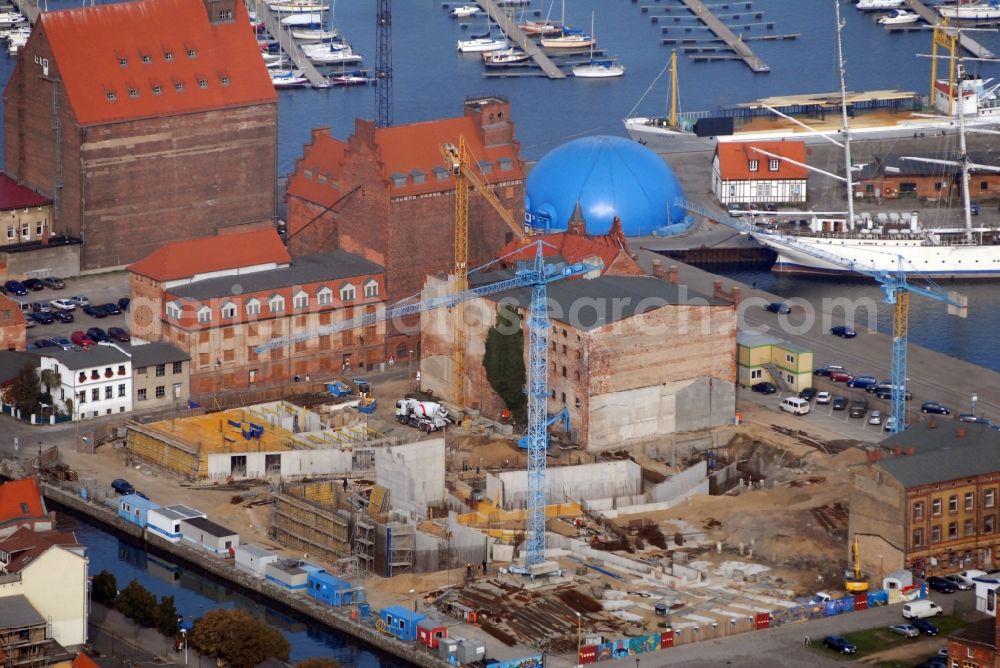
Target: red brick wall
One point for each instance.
(13, 334)
(146, 307)
(142, 182)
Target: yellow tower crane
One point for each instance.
(457, 159)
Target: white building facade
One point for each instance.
(96, 380)
(760, 172)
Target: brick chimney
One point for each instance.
(491, 114)
(220, 11)
(672, 274)
(364, 132)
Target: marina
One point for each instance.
(523, 41)
(283, 34)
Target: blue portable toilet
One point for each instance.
(401, 622)
(133, 508)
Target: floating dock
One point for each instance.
(722, 31)
(288, 45)
(524, 42)
(966, 42)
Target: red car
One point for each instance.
(81, 339)
(840, 376)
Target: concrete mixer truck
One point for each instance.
(427, 416)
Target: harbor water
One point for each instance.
(195, 594)
(431, 80)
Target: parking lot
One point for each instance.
(100, 289)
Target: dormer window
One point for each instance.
(347, 292)
(772, 165)
(179, 86)
(324, 296)
(228, 311)
(202, 83)
(224, 80)
(146, 59)
(173, 310)
(111, 96)
(132, 92)
(168, 56)
(754, 165)
(123, 61)
(192, 53)
(204, 314)
(300, 300)
(157, 89)
(371, 288)
(226, 15)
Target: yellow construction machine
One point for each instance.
(855, 582)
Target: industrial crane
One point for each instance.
(896, 291)
(536, 274)
(457, 159)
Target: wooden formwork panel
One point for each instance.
(162, 454)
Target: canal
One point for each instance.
(195, 593)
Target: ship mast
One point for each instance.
(963, 156)
(673, 89)
(848, 180)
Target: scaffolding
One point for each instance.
(306, 519)
(399, 548)
(363, 543)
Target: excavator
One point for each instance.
(855, 581)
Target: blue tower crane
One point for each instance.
(896, 292)
(537, 274)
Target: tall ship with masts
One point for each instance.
(895, 243)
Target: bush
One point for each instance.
(237, 638)
(104, 588)
(137, 603)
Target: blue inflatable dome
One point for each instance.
(609, 176)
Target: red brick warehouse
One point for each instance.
(145, 122)
(386, 194)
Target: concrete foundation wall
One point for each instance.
(878, 519)
(62, 261)
(413, 474)
(682, 485)
(293, 463)
(573, 483)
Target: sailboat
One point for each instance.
(598, 69)
(568, 38)
(981, 10)
(483, 42)
(940, 253)
(543, 28)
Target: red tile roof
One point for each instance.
(14, 196)
(20, 498)
(84, 661)
(401, 149)
(735, 157)
(567, 245)
(184, 259)
(89, 44)
(25, 545)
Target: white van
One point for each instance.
(921, 609)
(795, 405)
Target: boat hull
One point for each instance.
(665, 140)
(598, 71)
(956, 262)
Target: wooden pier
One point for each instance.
(721, 30)
(716, 40)
(524, 42)
(288, 45)
(966, 42)
(29, 8)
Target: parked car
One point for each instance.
(839, 403)
(34, 284)
(53, 283)
(823, 397)
(95, 311)
(972, 419)
(881, 385)
(111, 308)
(969, 576)
(764, 388)
(119, 334)
(41, 318)
(906, 630)
(887, 394)
(825, 371)
(959, 582)
(973, 208)
(63, 342)
(875, 417)
(63, 304)
(862, 382)
(778, 307)
(934, 407)
(925, 627)
(29, 323)
(939, 584)
(858, 408)
(81, 339)
(97, 334)
(124, 303)
(839, 644)
(808, 393)
(41, 344)
(63, 316)
(843, 331)
(80, 300)
(840, 376)
(889, 424)
(122, 486)
(933, 662)
(15, 288)
(41, 307)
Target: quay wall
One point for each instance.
(334, 618)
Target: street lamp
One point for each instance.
(414, 591)
(975, 398)
(184, 634)
(579, 621)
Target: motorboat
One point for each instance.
(599, 69)
(465, 11)
(296, 6)
(308, 20)
(879, 5)
(11, 18)
(325, 55)
(569, 39)
(481, 44)
(313, 34)
(899, 17)
(350, 78)
(542, 28)
(505, 56)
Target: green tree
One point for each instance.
(166, 619)
(51, 379)
(137, 603)
(104, 588)
(25, 389)
(504, 362)
(317, 662)
(237, 638)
